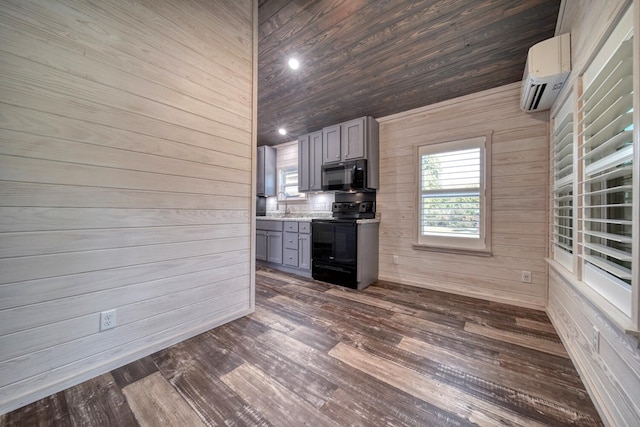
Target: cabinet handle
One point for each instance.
(337, 156)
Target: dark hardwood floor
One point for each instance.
(320, 355)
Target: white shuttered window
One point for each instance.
(562, 158)
(452, 196)
(606, 152)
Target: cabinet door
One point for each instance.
(331, 144)
(270, 171)
(315, 161)
(353, 139)
(304, 251)
(261, 245)
(304, 166)
(260, 171)
(266, 171)
(274, 247)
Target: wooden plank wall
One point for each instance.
(518, 203)
(126, 141)
(612, 374)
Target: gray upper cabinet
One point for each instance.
(303, 163)
(331, 149)
(353, 144)
(266, 171)
(355, 139)
(310, 162)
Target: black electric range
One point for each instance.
(334, 241)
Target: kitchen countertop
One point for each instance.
(309, 218)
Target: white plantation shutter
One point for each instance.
(606, 153)
(562, 160)
(452, 196)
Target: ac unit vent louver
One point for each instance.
(535, 93)
(547, 68)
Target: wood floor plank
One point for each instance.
(279, 405)
(309, 386)
(542, 391)
(428, 389)
(204, 391)
(133, 371)
(370, 301)
(51, 410)
(382, 401)
(156, 403)
(557, 349)
(534, 324)
(99, 402)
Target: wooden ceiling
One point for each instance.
(379, 57)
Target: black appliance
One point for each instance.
(334, 242)
(345, 176)
(261, 206)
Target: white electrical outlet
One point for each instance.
(107, 320)
(396, 259)
(526, 276)
(595, 339)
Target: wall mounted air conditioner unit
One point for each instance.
(545, 73)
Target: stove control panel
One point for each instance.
(354, 209)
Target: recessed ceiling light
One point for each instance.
(294, 63)
(282, 131)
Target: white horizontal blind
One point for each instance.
(606, 153)
(563, 185)
(289, 181)
(451, 198)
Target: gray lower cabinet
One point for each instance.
(274, 247)
(261, 245)
(304, 251)
(269, 241)
(284, 243)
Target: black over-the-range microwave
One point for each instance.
(345, 176)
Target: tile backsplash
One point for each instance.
(315, 204)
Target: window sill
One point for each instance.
(608, 310)
(449, 250)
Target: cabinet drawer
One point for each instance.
(291, 226)
(290, 257)
(290, 240)
(268, 225)
(304, 227)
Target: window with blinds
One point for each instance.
(606, 153)
(289, 184)
(452, 194)
(562, 158)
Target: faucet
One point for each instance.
(286, 208)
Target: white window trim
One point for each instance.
(462, 245)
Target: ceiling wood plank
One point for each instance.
(379, 58)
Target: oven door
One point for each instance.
(334, 252)
(334, 241)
